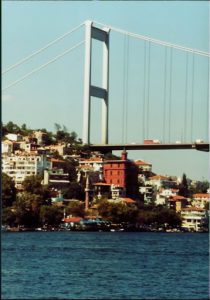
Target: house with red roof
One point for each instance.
(177, 202)
(72, 222)
(143, 166)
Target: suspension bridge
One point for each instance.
(162, 102)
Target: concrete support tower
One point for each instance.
(90, 90)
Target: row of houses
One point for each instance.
(114, 178)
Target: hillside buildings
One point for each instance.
(119, 179)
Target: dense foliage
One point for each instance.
(155, 216)
(183, 187)
(8, 192)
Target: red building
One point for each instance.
(123, 173)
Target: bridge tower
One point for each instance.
(90, 90)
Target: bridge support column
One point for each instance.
(105, 104)
(87, 80)
(90, 90)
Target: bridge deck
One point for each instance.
(186, 146)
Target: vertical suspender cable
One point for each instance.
(186, 96)
(124, 80)
(126, 91)
(144, 90)
(170, 95)
(148, 90)
(208, 107)
(164, 96)
(192, 97)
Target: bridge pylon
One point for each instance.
(92, 32)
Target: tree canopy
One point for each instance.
(8, 193)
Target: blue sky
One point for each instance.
(55, 94)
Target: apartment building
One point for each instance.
(56, 178)
(192, 218)
(22, 165)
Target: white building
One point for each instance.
(14, 137)
(56, 177)
(92, 166)
(164, 194)
(149, 193)
(7, 147)
(117, 191)
(95, 162)
(156, 180)
(143, 166)
(192, 218)
(20, 166)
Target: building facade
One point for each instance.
(192, 218)
(122, 173)
(20, 166)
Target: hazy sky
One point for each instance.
(162, 97)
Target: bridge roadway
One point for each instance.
(104, 148)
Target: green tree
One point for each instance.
(70, 168)
(165, 217)
(57, 127)
(145, 217)
(74, 191)
(27, 208)
(202, 186)
(11, 127)
(48, 139)
(32, 184)
(76, 208)
(8, 217)
(183, 187)
(8, 191)
(118, 212)
(51, 215)
(61, 135)
(25, 131)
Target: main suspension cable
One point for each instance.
(43, 66)
(156, 41)
(41, 49)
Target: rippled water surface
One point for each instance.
(105, 265)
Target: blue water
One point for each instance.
(105, 265)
